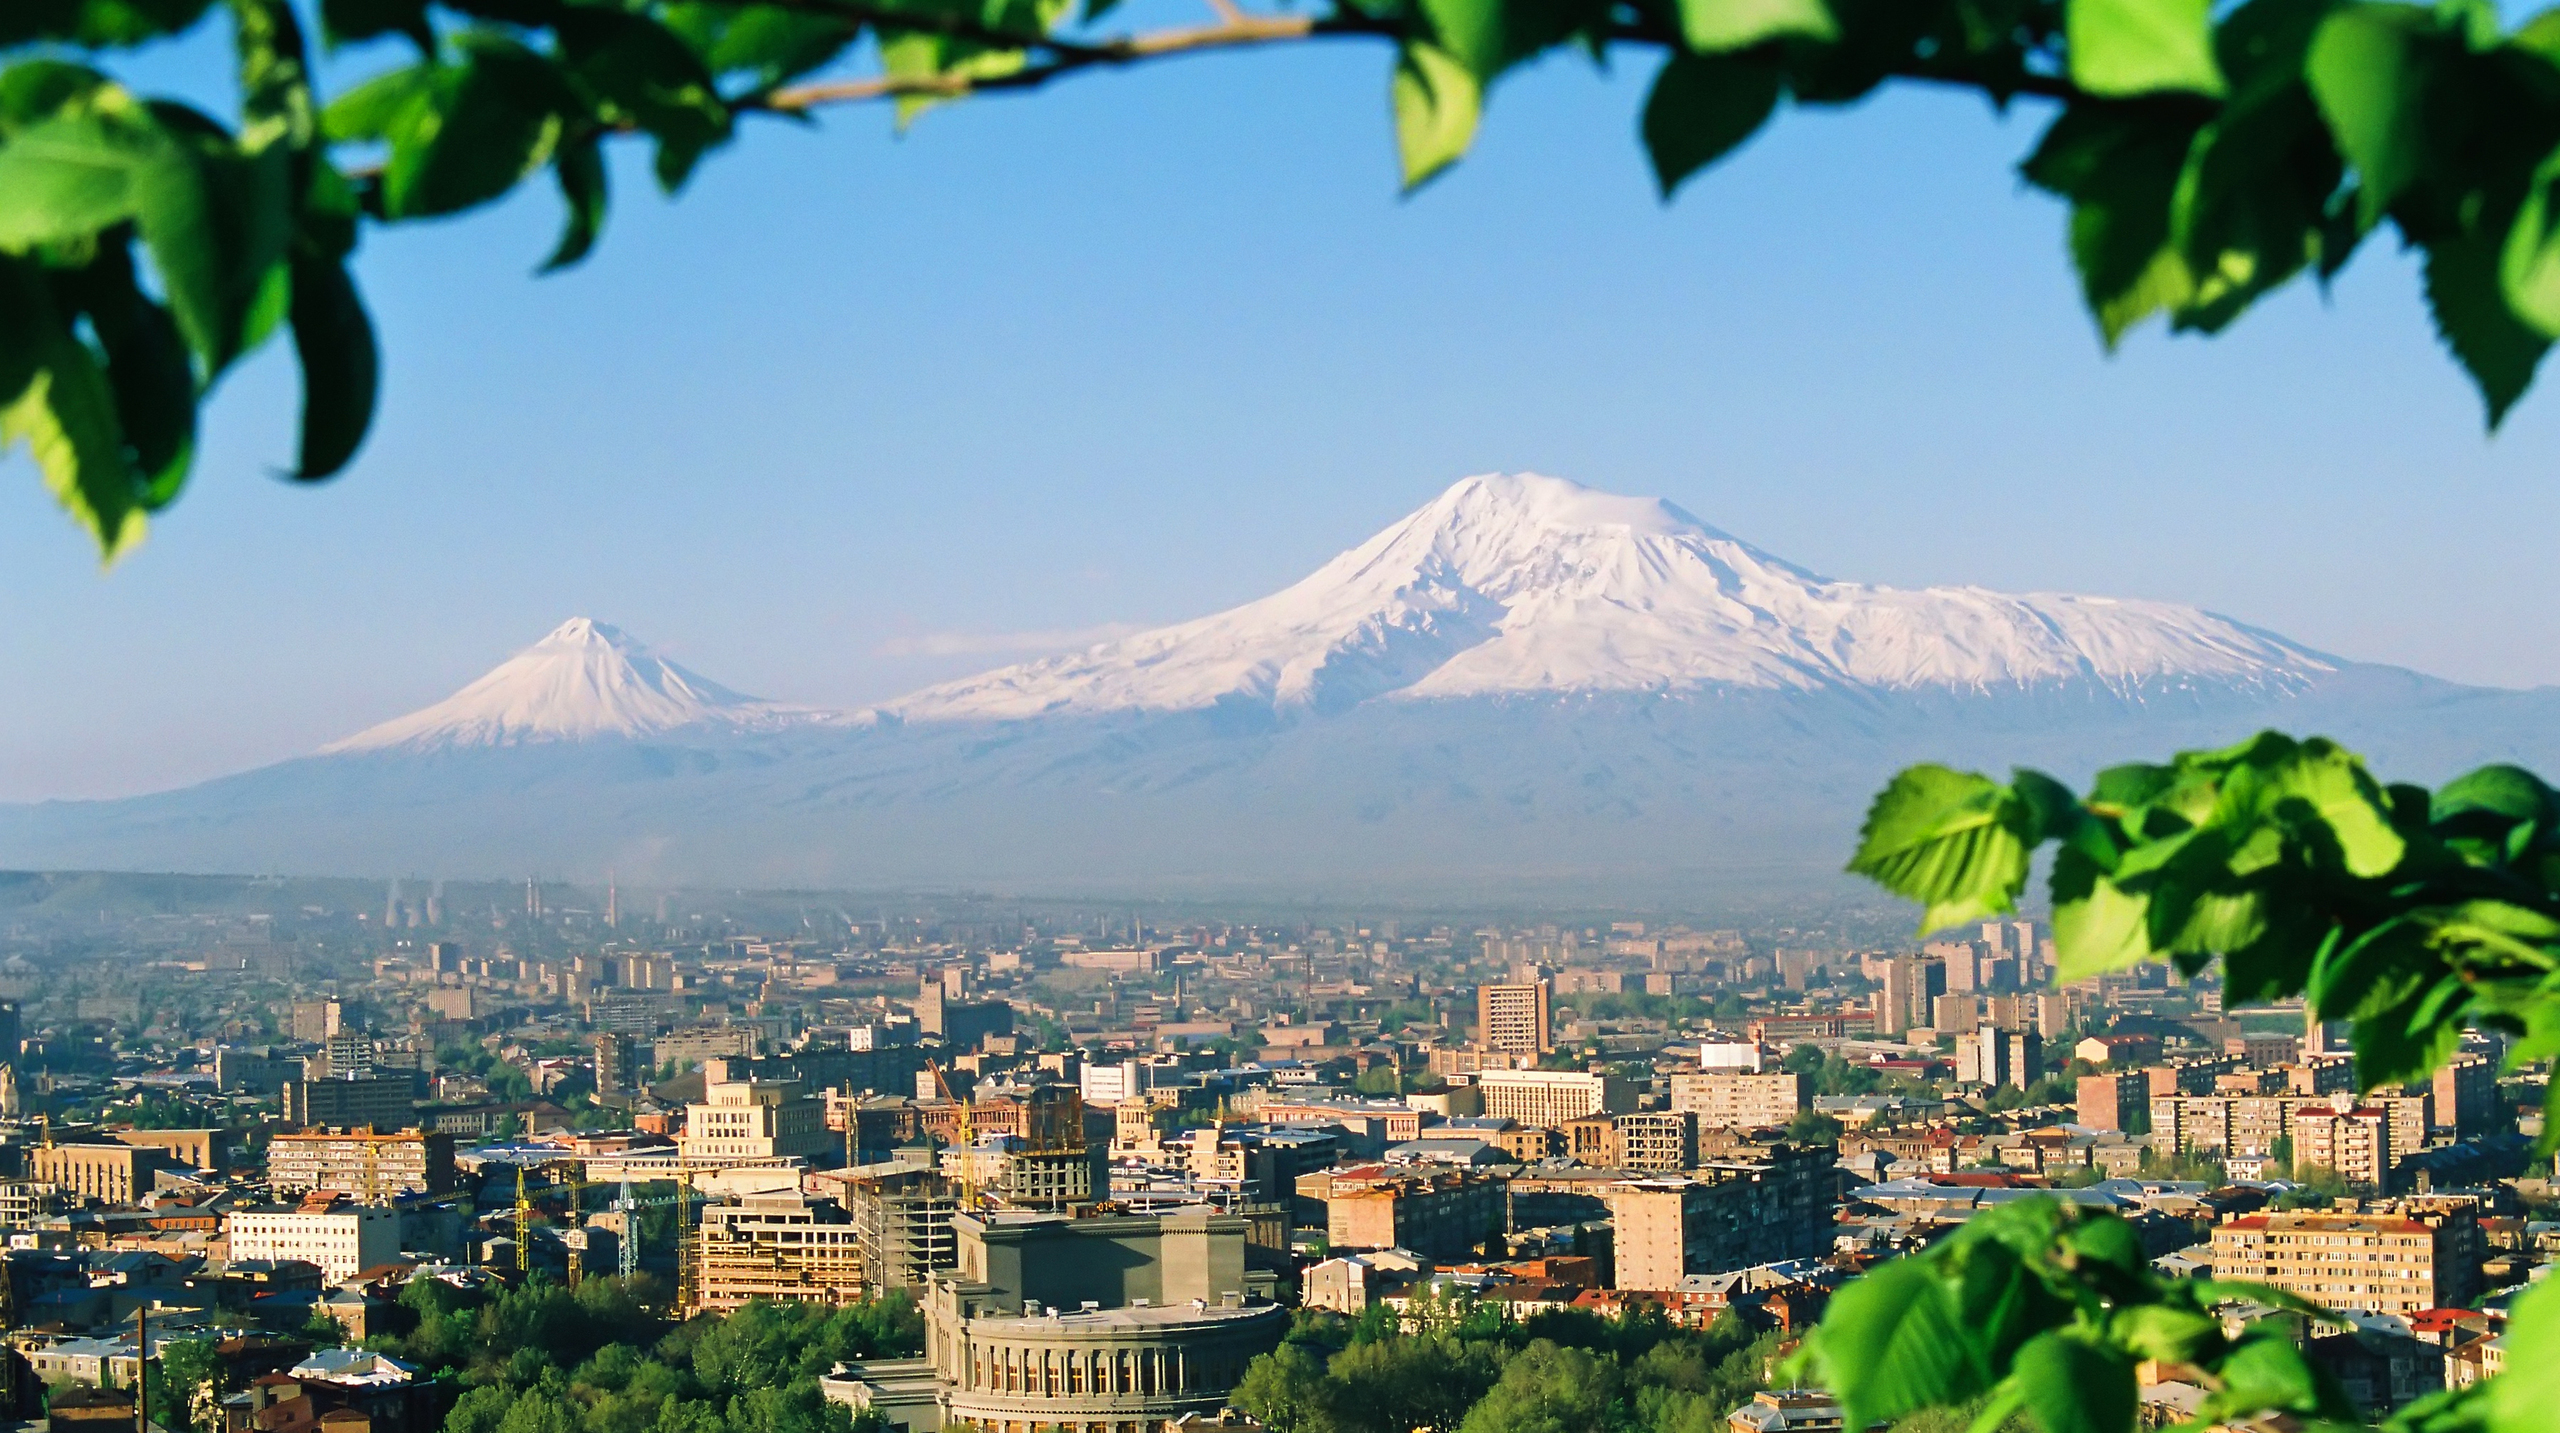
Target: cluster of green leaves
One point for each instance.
(600, 1359)
(2045, 1308)
(2209, 154)
(2413, 914)
(1471, 1370)
(246, 229)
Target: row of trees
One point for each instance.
(1469, 1369)
(600, 1358)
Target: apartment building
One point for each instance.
(1548, 1098)
(1755, 1207)
(2356, 1142)
(2118, 1101)
(369, 1166)
(1660, 1141)
(2466, 1094)
(1442, 1216)
(1738, 1101)
(340, 1236)
(2384, 1263)
(1514, 1018)
(363, 1102)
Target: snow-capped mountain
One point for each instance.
(1507, 585)
(584, 681)
(1526, 690)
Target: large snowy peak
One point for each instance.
(1522, 584)
(586, 680)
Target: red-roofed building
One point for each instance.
(2360, 1263)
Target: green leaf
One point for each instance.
(42, 89)
(2075, 1387)
(2369, 67)
(1701, 108)
(65, 414)
(97, 23)
(341, 368)
(2469, 303)
(1491, 36)
(2522, 1398)
(218, 223)
(2120, 163)
(639, 72)
(345, 21)
(581, 172)
(1948, 839)
(67, 178)
(462, 134)
(149, 373)
(1890, 1343)
(2529, 264)
(2166, 1333)
(1437, 101)
(2333, 783)
(2122, 48)
(2098, 926)
(2266, 1373)
(768, 42)
(1713, 27)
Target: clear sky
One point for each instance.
(859, 412)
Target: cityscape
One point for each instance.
(1097, 1170)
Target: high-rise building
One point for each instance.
(1514, 1018)
(617, 1064)
(2355, 1142)
(367, 1102)
(317, 1020)
(1895, 995)
(2118, 1101)
(2466, 1094)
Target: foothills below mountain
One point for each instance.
(1526, 686)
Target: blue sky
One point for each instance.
(856, 406)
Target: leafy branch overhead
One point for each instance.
(2208, 156)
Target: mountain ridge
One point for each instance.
(1524, 686)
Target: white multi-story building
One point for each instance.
(1548, 1098)
(342, 1237)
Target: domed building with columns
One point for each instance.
(1104, 1324)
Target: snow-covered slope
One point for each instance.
(585, 680)
(1526, 584)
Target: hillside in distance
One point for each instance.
(1526, 688)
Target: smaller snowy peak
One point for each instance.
(584, 681)
(1519, 583)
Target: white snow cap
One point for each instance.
(584, 680)
(1528, 584)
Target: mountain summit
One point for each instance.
(1508, 585)
(585, 680)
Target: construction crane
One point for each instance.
(967, 1132)
(524, 1225)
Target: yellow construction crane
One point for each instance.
(524, 1226)
(968, 1138)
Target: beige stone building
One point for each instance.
(1549, 1098)
(2357, 1263)
(109, 1173)
(738, 1120)
(368, 1166)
